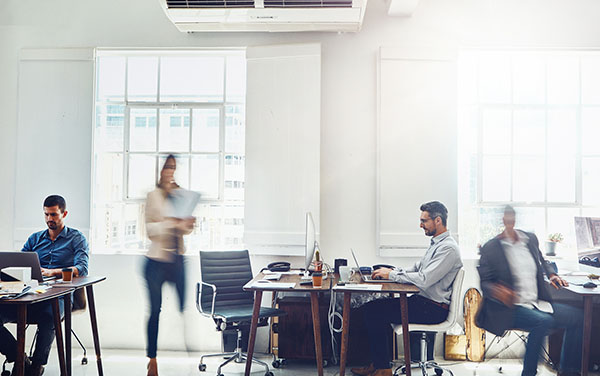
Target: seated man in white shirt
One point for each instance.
(515, 294)
(433, 275)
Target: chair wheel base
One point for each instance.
(5, 373)
(268, 373)
(438, 371)
(202, 367)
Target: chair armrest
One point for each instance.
(199, 298)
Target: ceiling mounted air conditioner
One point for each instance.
(265, 15)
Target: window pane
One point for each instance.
(186, 79)
(234, 177)
(109, 128)
(590, 80)
(529, 79)
(235, 129)
(529, 132)
(561, 220)
(172, 137)
(496, 131)
(563, 80)
(562, 132)
(591, 181)
(531, 220)
(142, 129)
(107, 224)
(561, 179)
(132, 228)
(182, 171)
(490, 223)
(496, 179)
(590, 121)
(142, 79)
(205, 176)
(528, 179)
(111, 79)
(109, 177)
(494, 78)
(236, 79)
(142, 175)
(205, 130)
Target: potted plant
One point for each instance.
(554, 238)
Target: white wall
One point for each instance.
(348, 120)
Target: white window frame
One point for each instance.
(221, 106)
(579, 156)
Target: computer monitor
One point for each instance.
(310, 242)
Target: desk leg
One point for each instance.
(60, 345)
(587, 333)
(405, 333)
(68, 356)
(253, 325)
(21, 322)
(92, 305)
(345, 332)
(314, 304)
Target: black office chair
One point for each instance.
(220, 296)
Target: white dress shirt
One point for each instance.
(524, 271)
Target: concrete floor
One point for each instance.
(129, 362)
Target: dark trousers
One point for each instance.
(380, 314)
(156, 274)
(40, 314)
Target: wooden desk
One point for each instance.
(53, 294)
(397, 288)
(77, 283)
(314, 303)
(588, 295)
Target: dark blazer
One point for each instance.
(493, 268)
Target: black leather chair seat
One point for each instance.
(244, 313)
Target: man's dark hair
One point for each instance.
(436, 209)
(55, 200)
(509, 210)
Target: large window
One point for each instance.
(529, 125)
(149, 105)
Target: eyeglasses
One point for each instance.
(168, 167)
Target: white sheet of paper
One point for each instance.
(359, 286)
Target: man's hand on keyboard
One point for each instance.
(381, 273)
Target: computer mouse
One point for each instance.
(589, 285)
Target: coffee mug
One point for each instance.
(317, 279)
(67, 274)
(346, 272)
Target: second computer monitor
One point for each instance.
(310, 242)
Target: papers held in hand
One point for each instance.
(182, 203)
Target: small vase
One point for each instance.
(550, 248)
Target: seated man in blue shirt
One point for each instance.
(58, 247)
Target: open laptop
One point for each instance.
(367, 278)
(23, 259)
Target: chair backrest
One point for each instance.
(229, 271)
(79, 301)
(455, 299)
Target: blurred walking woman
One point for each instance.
(164, 260)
